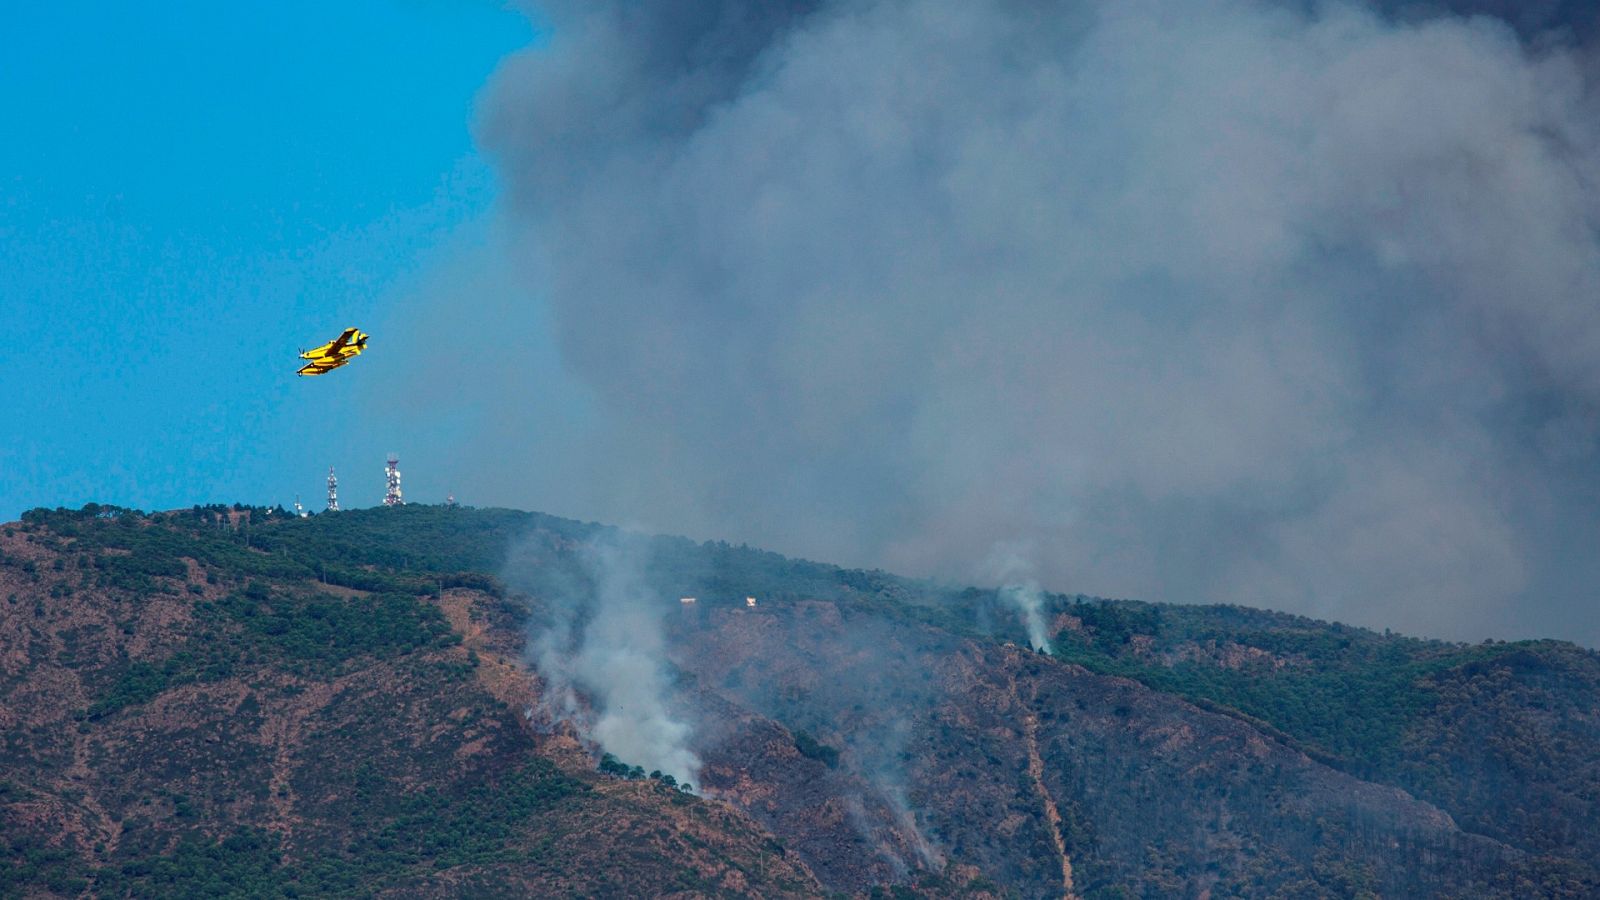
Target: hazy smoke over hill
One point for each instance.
(1011, 566)
(603, 658)
(1282, 304)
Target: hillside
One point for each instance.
(188, 712)
(229, 699)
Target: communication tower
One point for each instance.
(391, 496)
(450, 501)
(299, 511)
(333, 491)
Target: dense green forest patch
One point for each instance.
(1347, 695)
(310, 633)
(405, 836)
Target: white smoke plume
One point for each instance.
(604, 662)
(1009, 564)
(1283, 303)
(1029, 600)
(907, 835)
(929, 856)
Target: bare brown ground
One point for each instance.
(1030, 726)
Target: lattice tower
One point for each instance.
(391, 472)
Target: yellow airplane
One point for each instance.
(335, 353)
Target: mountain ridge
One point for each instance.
(861, 732)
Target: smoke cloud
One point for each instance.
(1285, 304)
(1010, 565)
(603, 657)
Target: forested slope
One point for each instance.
(231, 699)
(204, 704)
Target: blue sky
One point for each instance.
(190, 192)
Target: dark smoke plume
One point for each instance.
(1287, 304)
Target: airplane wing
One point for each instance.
(319, 366)
(344, 338)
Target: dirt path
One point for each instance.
(503, 678)
(77, 775)
(1030, 729)
(282, 730)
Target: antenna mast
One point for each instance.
(333, 491)
(391, 496)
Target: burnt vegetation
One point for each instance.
(230, 701)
